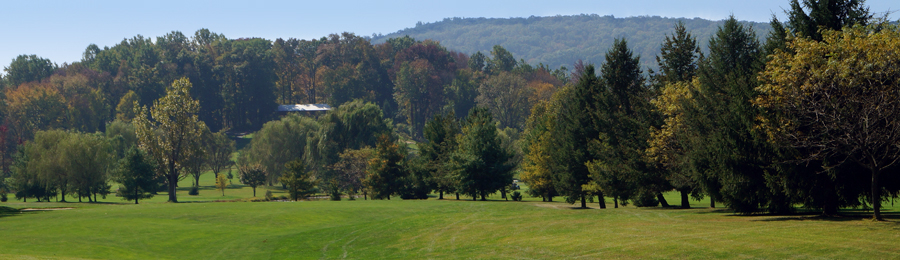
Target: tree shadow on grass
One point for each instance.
(7, 211)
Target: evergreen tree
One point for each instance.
(678, 62)
(440, 134)
(481, 164)
(136, 174)
(299, 181)
(807, 19)
(386, 172)
(578, 123)
(620, 168)
(728, 152)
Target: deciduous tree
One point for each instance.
(838, 98)
(170, 135)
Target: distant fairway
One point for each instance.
(424, 229)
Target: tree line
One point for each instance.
(802, 119)
(807, 117)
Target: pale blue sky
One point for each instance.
(60, 30)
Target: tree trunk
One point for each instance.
(662, 200)
(583, 201)
(602, 200)
(712, 202)
(173, 180)
(685, 203)
(135, 196)
(876, 196)
(441, 195)
(549, 198)
(483, 198)
(95, 197)
(616, 202)
(457, 196)
(79, 198)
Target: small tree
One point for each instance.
(219, 149)
(253, 175)
(222, 183)
(298, 180)
(385, 173)
(136, 174)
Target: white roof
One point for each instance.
(303, 107)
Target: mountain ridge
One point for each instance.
(562, 39)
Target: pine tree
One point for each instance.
(578, 123)
(482, 165)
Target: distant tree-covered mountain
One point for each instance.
(561, 40)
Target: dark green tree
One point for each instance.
(253, 175)
(440, 136)
(482, 165)
(577, 125)
(620, 168)
(299, 181)
(28, 68)
(136, 173)
(728, 152)
(807, 19)
(386, 171)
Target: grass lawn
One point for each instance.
(431, 228)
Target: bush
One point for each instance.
(283, 197)
(516, 196)
(269, 195)
(646, 199)
(194, 191)
(3, 197)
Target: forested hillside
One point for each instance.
(561, 40)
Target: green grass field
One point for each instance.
(397, 229)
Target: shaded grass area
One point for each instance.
(429, 229)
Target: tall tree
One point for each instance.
(620, 167)
(440, 133)
(577, 124)
(807, 19)
(171, 134)
(838, 99)
(481, 164)
(678, 63)
(728, 151)
(28, 68)
(508, 97)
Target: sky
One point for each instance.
(61, 30)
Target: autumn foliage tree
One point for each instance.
(838, 98)
(169, 132)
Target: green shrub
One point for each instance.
(269, 195)
(194, 191)
(645, 199)
(516, 196)
(3, 197)
(334, 191)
